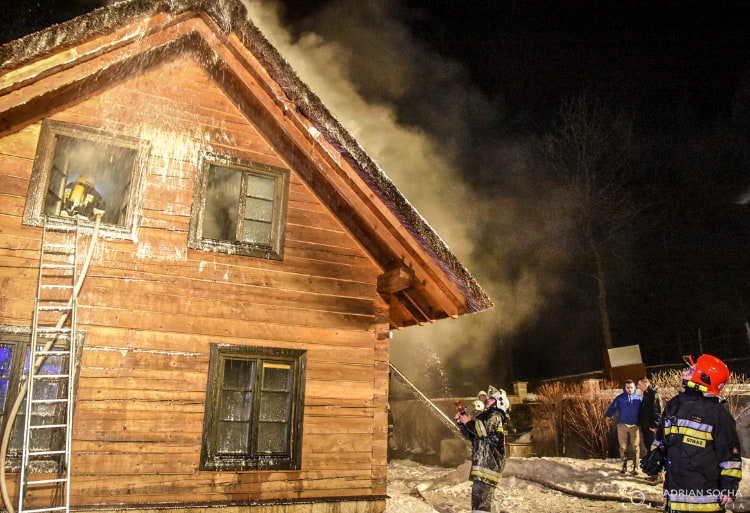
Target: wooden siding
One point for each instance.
(151, 307)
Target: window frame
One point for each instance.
(21, 335)
(211, 460)
(274, 251)
(33, 214)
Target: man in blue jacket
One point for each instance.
(626, 406)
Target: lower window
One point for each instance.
(254, 409)
(15, 349)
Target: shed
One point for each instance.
(229, 342)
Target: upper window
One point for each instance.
(80, 172)
(254, 406)
(239, 207)
(15, 345)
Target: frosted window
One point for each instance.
(239, 207)
(257, 412)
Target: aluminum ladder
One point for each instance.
(45, 465)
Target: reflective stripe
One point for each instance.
(684, 506)
(695, 425)
(480, 428)
(695, 507)
(683, 502)
(688, 431)
(696, 386)
(732, 472)
(485, 473)
(689, 498)
(730, 464)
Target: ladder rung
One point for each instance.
(57, 286)
(61, 226)
(49, 426)
(51, 376)
(61, 337)
(51, 245)
(60, 308)
(45, 481)
(53, 329)
(40, 510)
(44, 453)
(48, 401)
(64, 352)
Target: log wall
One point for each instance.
(151, 308)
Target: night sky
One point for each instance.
(485, 79)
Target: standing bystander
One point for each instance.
(627, 406)
(650, 412)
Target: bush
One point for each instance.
(572, 413)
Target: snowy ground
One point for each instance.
(555, 485)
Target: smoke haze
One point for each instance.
(418, 116)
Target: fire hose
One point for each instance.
(37, 364)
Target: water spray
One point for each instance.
(413, 389)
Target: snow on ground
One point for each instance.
(555, 485)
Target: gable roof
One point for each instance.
(422, 279)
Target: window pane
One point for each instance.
(261, 187)
(257, 232)
(6, 359)
(86, 175)
(274, 406)
(236, 405)
(273, 438)
(277, 376)
(232, 438)
(222, 203)
(258, 209)
(238, 374)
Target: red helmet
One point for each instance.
(709, 372)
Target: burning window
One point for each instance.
(81, 172)
(239, 207)
(253, 409)
(15, 345)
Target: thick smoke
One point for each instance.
(435, 135)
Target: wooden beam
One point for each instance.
(394, 280)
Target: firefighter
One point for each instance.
(81, 200)
(487, 438)
(696, 442)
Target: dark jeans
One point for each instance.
(481, 496)
(648, 438)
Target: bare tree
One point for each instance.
(591, 151)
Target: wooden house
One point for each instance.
(248, 267)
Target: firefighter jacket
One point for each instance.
(698, 438)
(487, 438)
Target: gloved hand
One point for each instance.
(653, 463)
